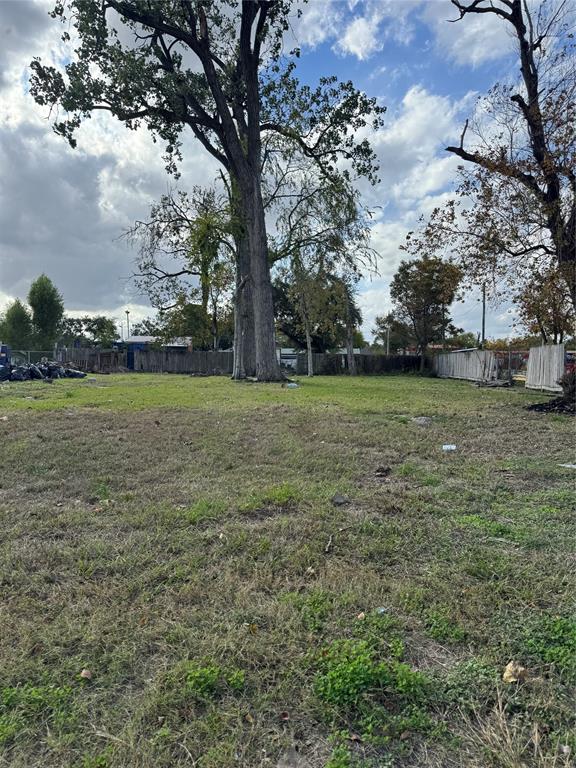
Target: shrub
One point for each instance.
(568, 384)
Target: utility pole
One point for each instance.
(387, 339)
(483, 315)
(127, 323)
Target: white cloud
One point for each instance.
(320, 21)
(472, 41)
(411, 148)
(364, 35)
(361, 38)
(361, 29)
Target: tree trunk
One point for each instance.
(244, 341)
(567, 263)
(214, 325)
(422, 358)
(350, 337)
(267, 365)
(350, 348)
(309, 350)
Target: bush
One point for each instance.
(568, 384)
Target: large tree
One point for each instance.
(523, 146)
(544, 307)
(47, 307)
(215, 69)
(16, 326)
(422, 291)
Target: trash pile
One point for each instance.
(43, 371)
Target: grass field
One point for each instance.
(176, 541)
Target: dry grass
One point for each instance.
(176, 537)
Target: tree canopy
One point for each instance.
(16, 326)
(47, 311)
(422, 291)
(88, 331)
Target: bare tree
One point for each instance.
(530, 145)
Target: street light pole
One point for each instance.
(127, 323)
(387, 339)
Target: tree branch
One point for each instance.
(477, 7)
(501, 167)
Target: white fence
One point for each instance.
(545, 367)
(472, 364)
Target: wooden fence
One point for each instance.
(474, 364)
(326, 364)
(168, 361)
(545, 367)
(93, 360)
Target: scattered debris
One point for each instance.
(86, 674)
(422, 421)
(382, 610)
(292, 385)
(361, 616)
(556, 405)
(339, 501)
(514, 673)
(382, 472)
(43, 371)
(568, 466)
(448, 447)
(495, 383)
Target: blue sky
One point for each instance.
(62, 210)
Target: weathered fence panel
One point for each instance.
(326, 364)
(545, 367)
(93, 360)
(473, 364)
(169, 361)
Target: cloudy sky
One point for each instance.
(62, 211)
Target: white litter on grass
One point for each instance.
(568, 466)
(422, 421)
(292, 385)
(448, 447)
